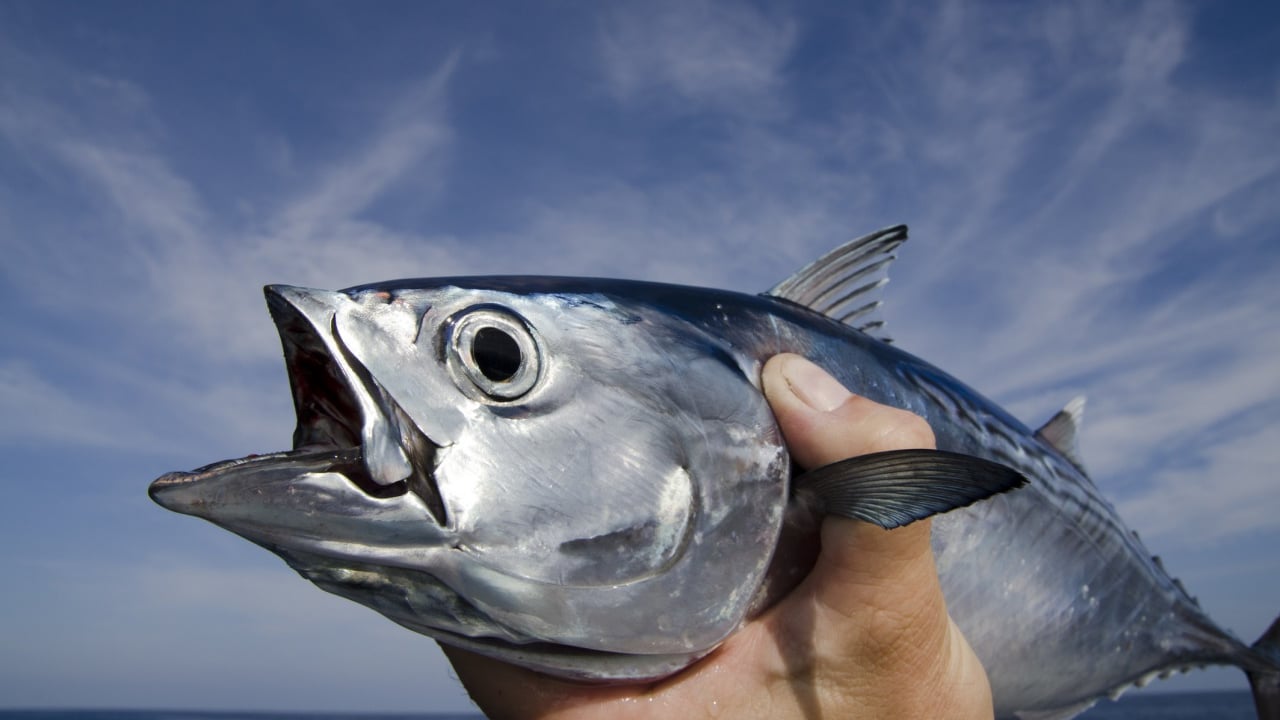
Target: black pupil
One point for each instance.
(496, 354)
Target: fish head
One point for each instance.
(572, 481)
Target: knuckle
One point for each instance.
(900, 430)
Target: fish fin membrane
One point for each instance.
(1266, 684)
(1063, 430)
(896, 488)
(844, 284)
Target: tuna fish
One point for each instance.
(581, 476)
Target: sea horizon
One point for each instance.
(1172, 705)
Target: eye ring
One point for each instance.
(492, 350)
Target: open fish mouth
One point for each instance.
(356, 453)
(333, 392)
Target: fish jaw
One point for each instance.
(304, 500)
(358, 485)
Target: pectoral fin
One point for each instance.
(895, 488)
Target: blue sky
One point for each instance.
(1093, 191)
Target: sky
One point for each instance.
(1093, 192)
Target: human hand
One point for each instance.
(865, 635)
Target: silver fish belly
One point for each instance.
(582, 477)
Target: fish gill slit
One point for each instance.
(419, 448)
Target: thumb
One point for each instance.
(861, 566)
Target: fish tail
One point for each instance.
(1266, 683)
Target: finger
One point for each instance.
(860, 565)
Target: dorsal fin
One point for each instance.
(843, 284)
(1063, 429)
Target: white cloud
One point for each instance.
(162, 256)
(1158, 403)
(121, 407)
(140, 186)
(34, 409)
(705, 53)
(161, 271)
(415, 131)
(165, 631)
(700, 231)
(1231, 493)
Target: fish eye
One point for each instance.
(496, 354)
(492, 350)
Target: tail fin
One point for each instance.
(1266, 683)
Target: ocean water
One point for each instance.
(1227, 705)
(210, 715)
(1231, 705)
(221, 715)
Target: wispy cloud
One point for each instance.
(257, 628)
(201, 277)
(168, 268)
(415, 131)
(1229, 491)
(34, 410)
(162, 208)
(694, 54)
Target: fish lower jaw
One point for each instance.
(200, 492)
(249, 463)
(192, 492)
(353, 464)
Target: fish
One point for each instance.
(581, 476)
